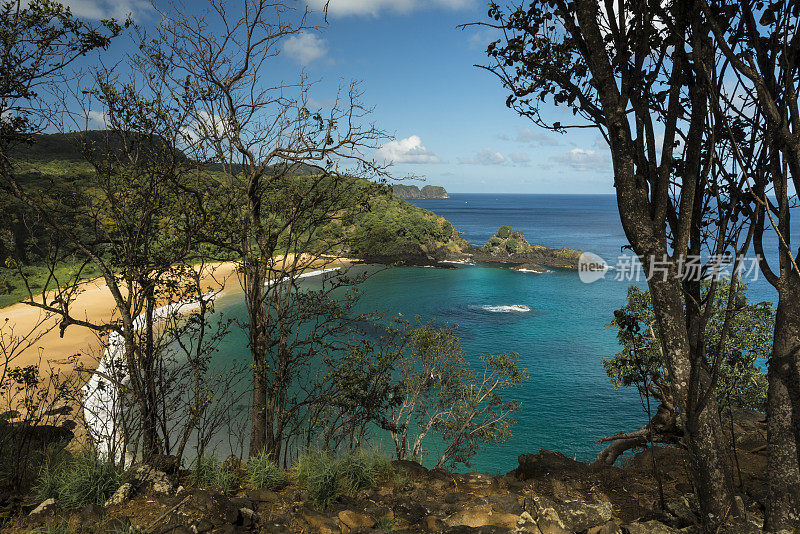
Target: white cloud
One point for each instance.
(519, 158)
(408, 150)
(97, 118)
(375, 7)
(103, 9)
(305, 47)
(583, 160)
(531, 137)
(487, 156)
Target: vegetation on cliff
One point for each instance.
(414, 192)
(377, 225)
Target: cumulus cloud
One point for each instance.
(583, 160)
(531, 137)
(487, 156)
(103, 9)
(375, 7)
(408, 150)
(96, 118)
(305, 47)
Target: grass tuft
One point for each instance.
(325, 477)
(262, 473)
(77, 480)
(208, 471)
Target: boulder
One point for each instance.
(546, 463)
(123, 494)
(463, 529)
(481, 517)
(612, 527)
(649, 527)
(46, 507)
(147, 475)
(319, 522)
(411, 468)
(261, 495)
(573, 515)
(353, 520)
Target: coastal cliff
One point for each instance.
(414, 192)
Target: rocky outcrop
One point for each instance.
(412, 192)
(510, 247)
(548, 493)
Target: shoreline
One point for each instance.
(101, 401)
(79, 353)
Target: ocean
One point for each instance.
(568, 403)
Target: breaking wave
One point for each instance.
(510, 308)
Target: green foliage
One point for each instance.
(386, 524)
(503, 232)
(208, 471)
(317, 473)
(512, 245)
(392, 226)
(77, 480)
(740, 384)
(262, 473)
(463, 403)
(326, 477)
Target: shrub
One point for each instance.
(317, 473)
(77, 480)
(325, 477)
(356, 472)
(512, 245)
(504, 232)
(208, 471)
(262, 473)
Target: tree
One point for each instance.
(443, 394)
(757, 40)
(640, 363)
(288, 171)
(625, 70)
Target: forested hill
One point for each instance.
(391, 230)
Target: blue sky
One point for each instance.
(448, 118)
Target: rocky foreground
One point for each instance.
(548, 493)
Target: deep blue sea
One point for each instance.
(568, 403)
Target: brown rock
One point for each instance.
(353, 520)
(481, 517)
(434, 524)
(612, 527)
(321, 523)
(261, 495)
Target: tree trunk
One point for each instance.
(705, 442)
(253, 284)
(783, 414)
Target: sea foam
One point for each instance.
(503, 308)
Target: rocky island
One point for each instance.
(510, 247)
(414, 192)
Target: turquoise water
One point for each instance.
(568, 403)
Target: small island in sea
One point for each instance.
(413, 192)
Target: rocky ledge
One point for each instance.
(548, 493)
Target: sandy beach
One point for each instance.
(82, 345)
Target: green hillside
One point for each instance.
(384, 228)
